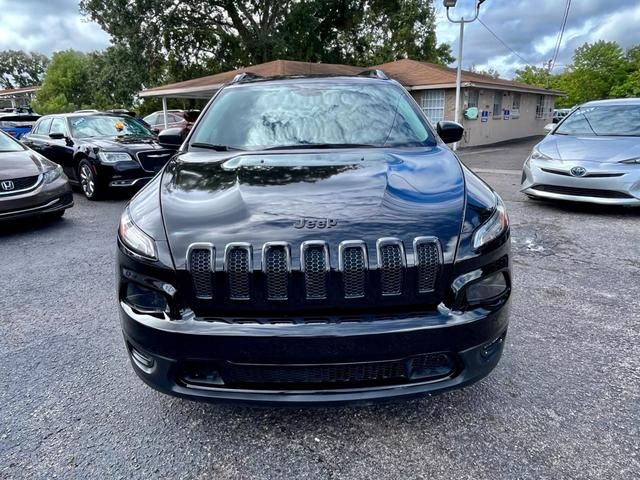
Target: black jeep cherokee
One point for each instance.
(314, 241)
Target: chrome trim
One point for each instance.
(129, 183)
(342, 246)
(212, 259)
(268, 245)
(26, 210)
(39, 180)
(424, 241)
(249, 249)
(168, 152)
(304, 246)
(381, 242)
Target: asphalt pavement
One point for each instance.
(564, 402)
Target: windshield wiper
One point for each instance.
(321, 145)
(217, 148)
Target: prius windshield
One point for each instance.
(295, 114)
(7, 144)
(605, 120)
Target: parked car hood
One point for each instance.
(587, 148)
(259, 198)
(26, 163)
(122, 143)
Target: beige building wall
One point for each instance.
(497, 129)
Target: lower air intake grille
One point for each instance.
(582, 192)
(276, 265)
(392, 262)
(238, 267)
(354, 265)
(315, 257)
(200, 266)
(427, 253)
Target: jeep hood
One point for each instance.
(257, 198)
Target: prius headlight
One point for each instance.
(631, 161)
(53, 174)
(135, 239)
(114, 157)
(538, 155)
(495, 226)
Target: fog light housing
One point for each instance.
(486, 289)
(145, 299)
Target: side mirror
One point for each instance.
(549, 126)
(56, 136)
(450, 132)
(172, 137)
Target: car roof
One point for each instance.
(613, 101)
(293, 79)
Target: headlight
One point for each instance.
(114, 157)
(135, 239)
(53, 174)
(631, 161)
(486, 289)
(495, 226)
(538, 155)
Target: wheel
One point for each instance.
(89, 184)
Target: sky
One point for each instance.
(530, 27)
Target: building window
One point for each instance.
(515, 106)
(548, 106)
(473, 98)
(497, 105)
(540, 107)
(432, 103)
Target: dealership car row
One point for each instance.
(197, 244)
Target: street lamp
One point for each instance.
(450, 4)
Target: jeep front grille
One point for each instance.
(200, 264)
(313, 278)
(392, 263)
(315, 263)
(276, 263)
(238, 267)
(428, 260)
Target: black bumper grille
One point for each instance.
(201, 268)
(21, 183)
(418, 368)
(582, 192)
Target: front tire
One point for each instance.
(89, 182)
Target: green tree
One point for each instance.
(631, 85)
(67, 84)
(21, 69)
(538, 76)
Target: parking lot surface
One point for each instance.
(563, 403)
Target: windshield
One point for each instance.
(312, 113)
(105, 126)
(610, 120)
(7, 144)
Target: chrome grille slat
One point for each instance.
(314, 259)
(392, 262)
(353, 263)
(276, 264)
(238, 265)
(428, 258)
(201, 264)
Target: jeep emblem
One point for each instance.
(316, 223)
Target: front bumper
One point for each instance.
(163, 350)
(44, 199)
(604, 183)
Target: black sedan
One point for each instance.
(98, 151)
(30, 184)
(314, 241)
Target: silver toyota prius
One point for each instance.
(592, 155)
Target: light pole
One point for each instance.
(450, 4)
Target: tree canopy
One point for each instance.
(21, 69)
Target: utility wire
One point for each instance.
(556, 50)
(503, 42)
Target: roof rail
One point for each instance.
(375, 73)
(244, 76)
